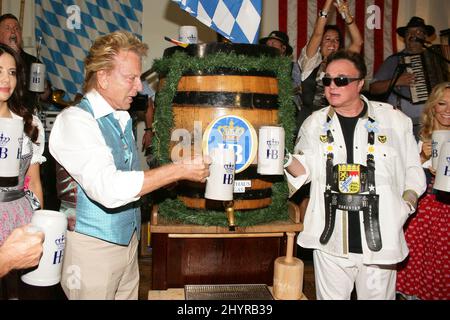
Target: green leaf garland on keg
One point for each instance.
(173, 68)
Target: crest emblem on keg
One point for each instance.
(349, 181)
(232, 132)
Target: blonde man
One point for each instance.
(93, 141)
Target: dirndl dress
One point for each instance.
(17, 213)
(425, 273)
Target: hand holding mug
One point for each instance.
(425, 153)
(196, 169)
(24, 246)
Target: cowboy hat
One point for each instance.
(416, 22)
(280, 36)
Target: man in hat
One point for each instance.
(392, 73)
(280, 40)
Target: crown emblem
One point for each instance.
(229, 168)
(273, 143)
(4, 139)
(60, 242)
(230, 132)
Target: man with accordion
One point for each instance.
(405, 79)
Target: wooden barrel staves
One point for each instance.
(225, 107)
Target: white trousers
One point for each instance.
(94, 269)
(335, 278)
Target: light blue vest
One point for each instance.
(114, 225)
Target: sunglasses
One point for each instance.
(338, 81)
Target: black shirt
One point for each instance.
(348, 125)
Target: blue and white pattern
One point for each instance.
(69, 27)
(236, 20)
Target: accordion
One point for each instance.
(429, 70)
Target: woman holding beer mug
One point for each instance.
(424, 274)
(17, 202)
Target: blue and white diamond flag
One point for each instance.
(236, 20)
(69, 27)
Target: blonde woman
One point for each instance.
(424, 274)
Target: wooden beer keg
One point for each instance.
(203, 96)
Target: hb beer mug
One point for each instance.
(188, 34)
(220, 183)
(438, 138)
(442, 180)
(54, 226)
(271, 150)
(11, 136)
(37, 77)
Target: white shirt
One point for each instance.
(77, 143)
(307, 65)
(397, 168)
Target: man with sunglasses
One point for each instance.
(364, 167)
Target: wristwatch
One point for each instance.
(323, 14)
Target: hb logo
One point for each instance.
(57, 257)
(3, 153)
(60, 243)
(3, 142)
(228, 179)
(272, 154)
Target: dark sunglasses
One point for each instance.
(338, 81)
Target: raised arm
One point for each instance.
(319, 27)
(355, 35)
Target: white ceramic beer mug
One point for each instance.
(37, 77)
(438, 138)
(188, 34)
(220, 183)
(11, 136)
(442, 180)
(271, 150)
(54, 226)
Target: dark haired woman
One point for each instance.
(324, 40)
(17, 203)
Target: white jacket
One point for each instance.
(397, 168)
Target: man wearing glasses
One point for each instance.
(363, 164)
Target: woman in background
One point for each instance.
(424, 274)
(17, 203)
(324, 40)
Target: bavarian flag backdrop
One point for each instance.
(69, 27)
(236, 20)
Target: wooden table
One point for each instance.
(178, 294)
(195, 254)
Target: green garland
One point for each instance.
(173, 68)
